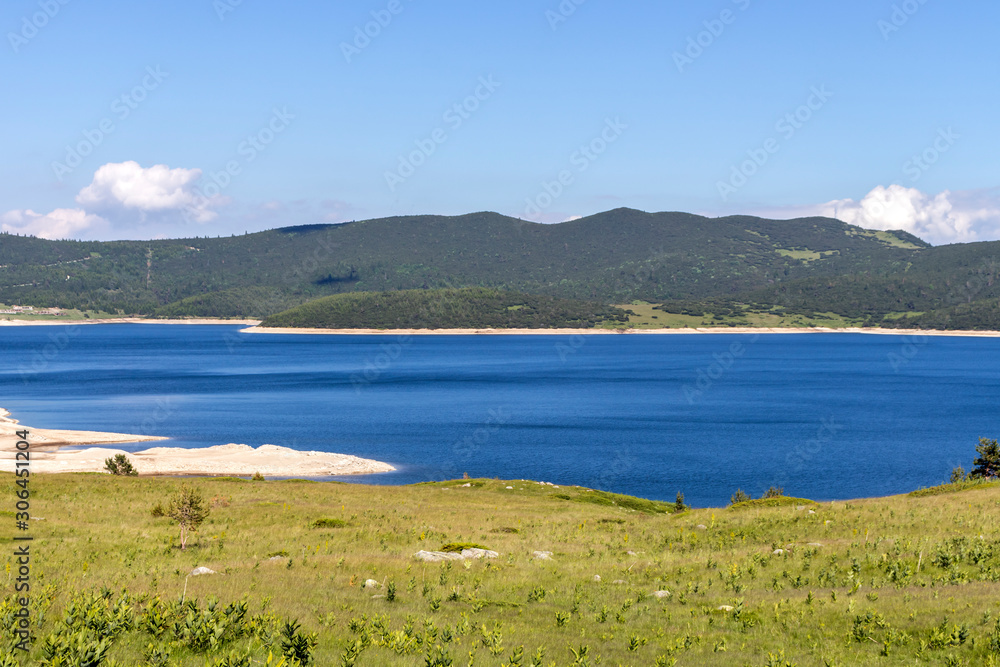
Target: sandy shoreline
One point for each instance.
(622, 332)
(252, 326)
(47, 456)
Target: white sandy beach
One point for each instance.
(48, 455)
(120, 320)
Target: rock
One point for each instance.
(814, 544)
(436, 556)
(542, 555)
(597, 578)
(631, 553)
(466, 486)
(510, 487)
(778, 552)
(726, 608)
(479, 553)
(659, 595)
(619, 582)
(799, 508)
(274, 558)
(370, 583)
(812, 511)
(198, 571)
(701, 526)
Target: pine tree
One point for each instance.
(988, 463)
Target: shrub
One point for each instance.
(739, 497)
(188, 509)
(328, 523)
(774, 492)
(988, 463)
(679, 505)
(958, 475)
(158, 510)
(257, 477)
(120, 465)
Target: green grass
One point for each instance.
(954, 487)
(916, 577)
(780, 501)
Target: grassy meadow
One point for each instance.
(907, 580)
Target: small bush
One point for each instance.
(257, 477)
(739, 497)
(120, 465)
(328, 523)
(158, 510)
(774, 492)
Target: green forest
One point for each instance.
(804, 266)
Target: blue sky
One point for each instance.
(731, 106)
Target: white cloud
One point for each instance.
(62, 223)
(948, 217)
(125, 187)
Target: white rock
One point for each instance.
(778, 552)
(659, 595)
(597, 577)
(510, 487)
(436, 556)
(466, 486)
(799, 508)
(542, 555)
(726, 608)
(479, 553)
(812, 511)
(814, 544)
(274, 558)
(619, 581)
(370, 583)
(631, 553)
(198, 571)
(701, 526)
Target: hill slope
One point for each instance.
(613, 257)
(445, 309)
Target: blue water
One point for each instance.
(824, 415)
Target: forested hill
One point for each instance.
(472, 307)
(613, 257)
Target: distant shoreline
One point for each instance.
(253, 327)
(621, 332)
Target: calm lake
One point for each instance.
(826, 416)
